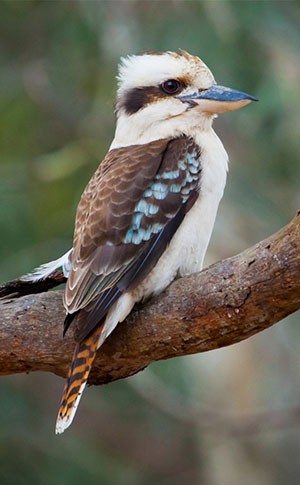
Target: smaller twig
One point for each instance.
(18, 287)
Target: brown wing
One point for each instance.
(127, 215)
(104, 214)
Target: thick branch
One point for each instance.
(228, 302)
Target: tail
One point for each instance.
(83, 359)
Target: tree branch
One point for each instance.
(228, 302)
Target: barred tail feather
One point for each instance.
(83, 359)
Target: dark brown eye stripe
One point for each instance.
(137, 98)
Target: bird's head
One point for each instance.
(163, 94)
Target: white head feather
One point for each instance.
(152, 69)
(165, 116)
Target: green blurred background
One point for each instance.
(227, 417)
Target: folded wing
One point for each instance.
(127, 216)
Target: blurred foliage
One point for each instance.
(57, 82)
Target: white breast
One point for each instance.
(187, 249)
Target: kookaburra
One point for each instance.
(147, 214)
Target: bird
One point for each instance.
(147, 214)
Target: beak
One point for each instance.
(218, 99)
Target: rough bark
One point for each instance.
(228, 302)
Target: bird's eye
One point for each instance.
(172, 86)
